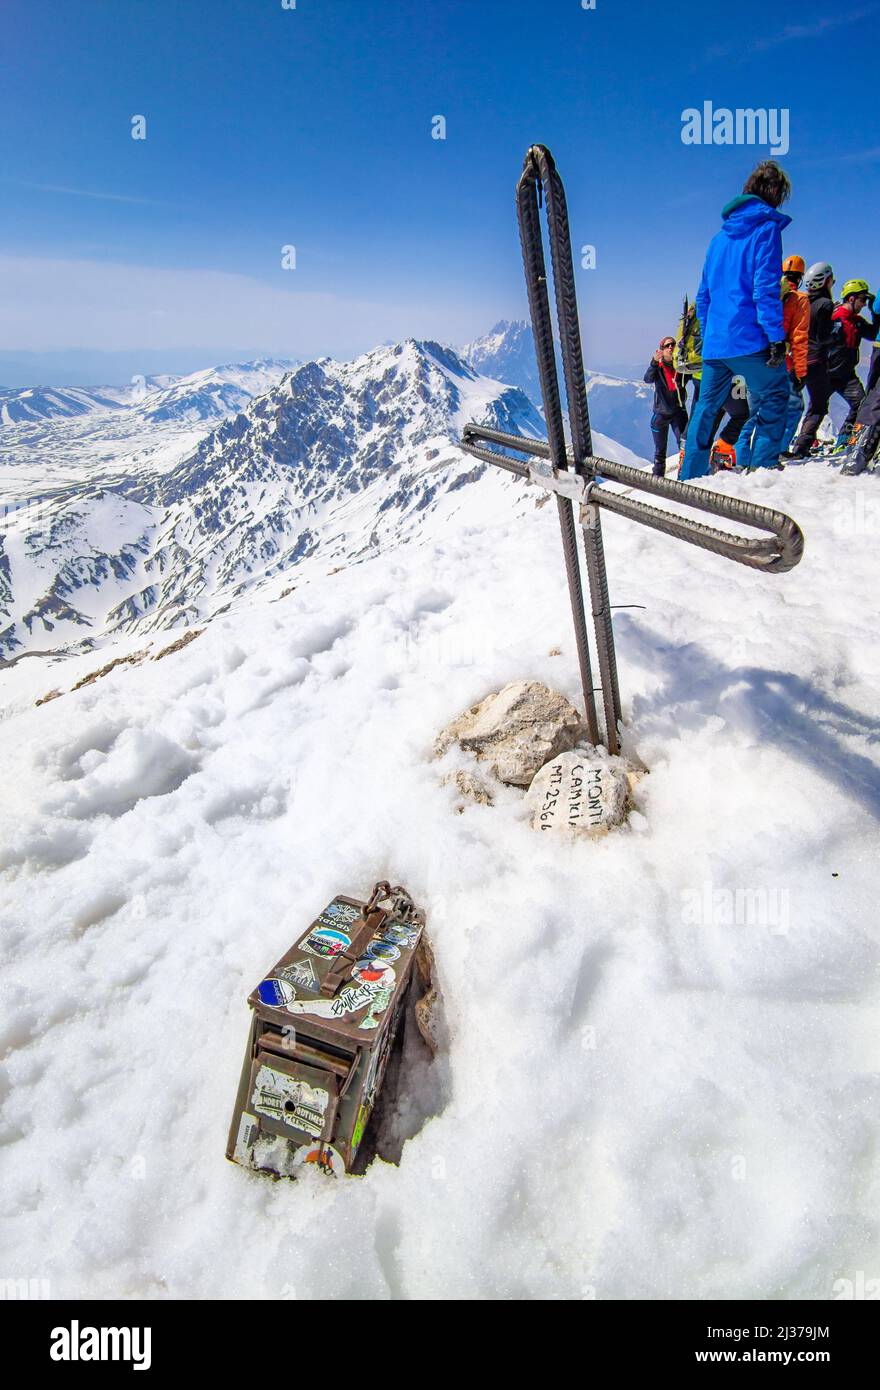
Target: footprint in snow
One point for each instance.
(141, 764)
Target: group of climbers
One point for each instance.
(753, 341)
(836, 336)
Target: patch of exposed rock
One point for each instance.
(516, 730)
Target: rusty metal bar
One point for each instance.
(531, 241)
(540, 167)
(774, 556)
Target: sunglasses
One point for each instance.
(670, 342)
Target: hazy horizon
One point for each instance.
(90, 367)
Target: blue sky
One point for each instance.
(312, 127)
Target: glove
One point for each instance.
(776, 355)
(799, 383)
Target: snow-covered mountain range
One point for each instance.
(619, 408)
(213, 393)
(204, 395)
(334, 461)
(21, 404)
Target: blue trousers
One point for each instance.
(768, 391)
(794, 411)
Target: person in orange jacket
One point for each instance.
(796, 321)
(796, 325)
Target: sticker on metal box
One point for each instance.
(290, 1101)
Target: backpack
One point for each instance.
(687, 357)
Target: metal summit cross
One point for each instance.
(573, 473)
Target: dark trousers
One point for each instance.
(867, 425)
(853, 393)
(822, 387)
(737, 407)
(869, 411)
(660, 427)
(873, 371)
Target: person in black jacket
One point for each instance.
(669, 398)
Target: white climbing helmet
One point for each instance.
(817, 275)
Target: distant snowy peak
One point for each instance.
(212, 393)
(21, 405)
(506, 338)
(507, 353)
(619, 408)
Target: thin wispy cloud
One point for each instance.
(867, 156)
(790, 33)
(88, 193)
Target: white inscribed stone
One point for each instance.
(576, 793)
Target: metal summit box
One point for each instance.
(324, 1020)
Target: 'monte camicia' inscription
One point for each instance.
(577, 795)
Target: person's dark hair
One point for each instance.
(769, 182)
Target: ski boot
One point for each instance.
(830, 450)
(858, 456)
(838, 450)
(723, 456)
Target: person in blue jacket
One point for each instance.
(740, 311)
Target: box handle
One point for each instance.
(364, 931)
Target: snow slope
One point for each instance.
(661, 1075)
